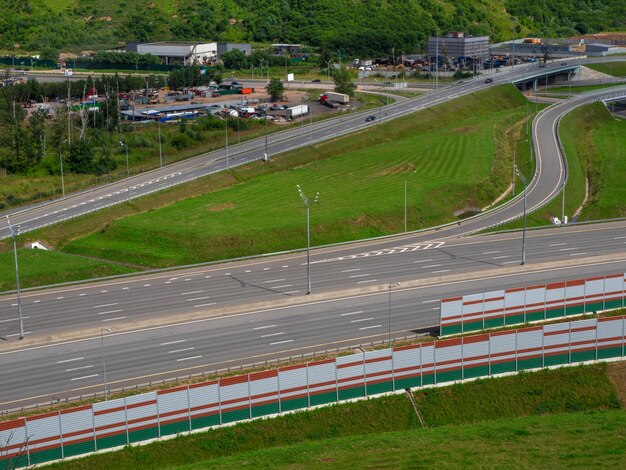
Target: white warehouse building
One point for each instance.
(185, 53)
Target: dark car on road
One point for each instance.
(489, 80)
(316, 80)
(370, 118)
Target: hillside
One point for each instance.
(355, 27)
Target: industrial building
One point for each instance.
(187, 53)
(456, 45)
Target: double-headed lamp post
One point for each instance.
(104, 364)
(14, 233)
(390, 286)
(525, 181)
(308, 202)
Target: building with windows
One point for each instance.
(456, 46)
(187, 53)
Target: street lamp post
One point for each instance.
(160, 150)
(62, 177)
(14, 233)
(525, 181)
(389, 287)
(267, 155)
(308, 203)
(227, 163)
(437, 62)
(125, 147)
(104, 364)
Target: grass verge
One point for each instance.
(581, 389)
(616, 69)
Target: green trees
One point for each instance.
(275, 89)
(343, 81)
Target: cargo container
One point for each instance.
(341, 98)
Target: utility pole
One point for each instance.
(160, 151)
(525, 181)
(308, 203)
(14, 233)
(437, 62)
(104, 365)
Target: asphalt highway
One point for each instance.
(177, 322)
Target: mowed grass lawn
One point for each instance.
(617, 69)
(451, 157)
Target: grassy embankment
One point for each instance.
(595, 145)
(577, 89)
(616, 69)
(452, 156)
(506, 421)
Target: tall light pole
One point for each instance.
(307, 203)
(125, 147)
(227, 164)
(389, 287)
(104, 364)
(14, 233)
(404, 205)
(160, 151)
(266, 155)
(62, 177)
(525, 181)
(437, 62)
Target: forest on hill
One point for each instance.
(362, 28)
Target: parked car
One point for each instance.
(370, 118)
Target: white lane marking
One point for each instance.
(192, 292)
(491, 252)
(85, 377)
(431, 301)
(351, 313)
(350, 270)
(173, 342)
(207, 277)
(105, 305)
(13, 319)
(357, 275)
(227, 274)
(104, 291)
(204, 305)
(167, 282)
(431, 266)
(362, 319)
(195, 299)
(181, 350)
(368, 327)
(285, 266)
(281, 342)
(187, 279)
(17, 334)
(435, 308)
(36, 301)
(110, 311)
(247, 271)
(440, 271)
(82, 295)
(273, 280)
(78, 368)
(367, 280)
(423, 261)
(263, 327)
(618, 238)
(558, 244)
(147, 285)
(510, 262)
(578, 254)
(113, 319)
(188, 358)
(568, 249)
(59, 298)
(499, 257)
(272, 334)
(266, 269)
(291, 292)
(125, 288)
(70, 360)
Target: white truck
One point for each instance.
(299, 110)
(341, 98)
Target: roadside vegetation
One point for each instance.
(453, 157)
(512, 417)
(616, 69)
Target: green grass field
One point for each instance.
(42, 268)
(446, 156)
(578, 88)
(466, 422)
(616, 69)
